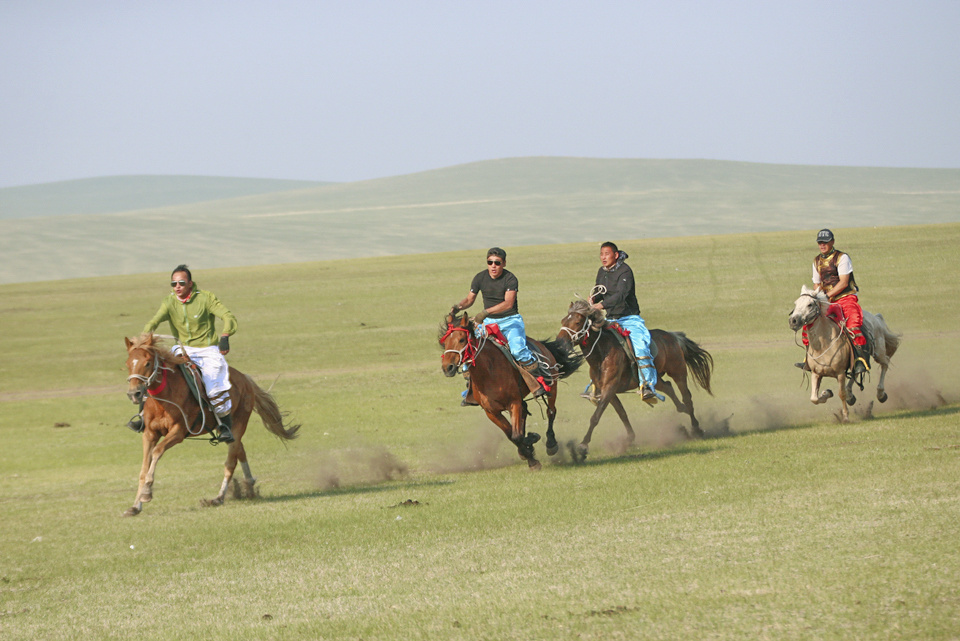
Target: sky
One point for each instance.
(347, 91)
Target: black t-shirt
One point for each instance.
(495, 291)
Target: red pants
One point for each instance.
(852, 314)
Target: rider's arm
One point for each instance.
(468, 301)
(618, 293)
(509, 299)
(220, 310)
(839, 287)
(162, 315)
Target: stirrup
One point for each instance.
(647, 395)
(136, 424)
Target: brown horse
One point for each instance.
(498, 385)
(172, 413)
(612, 370)
(830, 354)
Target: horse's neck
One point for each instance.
(823, 332)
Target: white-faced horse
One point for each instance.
(829, 352)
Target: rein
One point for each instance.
(580, 336)
(819, 315)
(154, 388)
(469, 352)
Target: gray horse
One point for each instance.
(829, 353)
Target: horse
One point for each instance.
(171, 413)
(829, 352)
(497, 383)
(612, 370)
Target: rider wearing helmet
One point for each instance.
(833, 275)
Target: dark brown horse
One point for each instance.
(171, 413)
(497, 384)
(612, 370)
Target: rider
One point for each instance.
(833, 275)
(499, 289)
(192, 314)
(619, 299)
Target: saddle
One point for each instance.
(191, 373)
(623, 337)
(500, 341)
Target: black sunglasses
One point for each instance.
(494, 262)
(174, 283)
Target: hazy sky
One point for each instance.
(350, 90)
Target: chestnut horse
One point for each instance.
(612, 370)
(829, 353)
(497, 384)
(171, 413)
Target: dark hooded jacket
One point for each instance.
(620, 298)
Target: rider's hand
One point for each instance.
(224, 344)
(480, 316)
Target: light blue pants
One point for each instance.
(640, 337)
(516, 335)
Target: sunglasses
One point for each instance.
(174, 283)
(494, 262)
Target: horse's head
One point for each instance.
(455, 338)
(143, 365)
(807, 307)
(578, 322)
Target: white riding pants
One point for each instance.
(215, 374)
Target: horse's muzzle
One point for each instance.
(449, 370)
(136, 394)
(795, 322)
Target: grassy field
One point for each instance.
(539, 200)
(399, 514)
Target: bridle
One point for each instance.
(147, 383)
(579, 337)
(468, 354)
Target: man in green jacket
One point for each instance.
(192, 314)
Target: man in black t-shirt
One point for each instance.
(499, 290)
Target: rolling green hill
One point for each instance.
(524, 201)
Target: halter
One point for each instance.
(469, 352)
(819, 314)
(582, 333)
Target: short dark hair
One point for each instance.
(496, 251)
(612, 246)
(184, 269)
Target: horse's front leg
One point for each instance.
(606, 395)
(523, 440)
(552, 446)
(172, 438)
(150, 439)
(622, 413)
(815, 396)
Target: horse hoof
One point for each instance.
(217, 502)
(552, 449)
(132, 512)
(531, 438)
(534, 465)
(851, 399)
(146, 498)
(882, 397)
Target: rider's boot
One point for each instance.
(533, 367)
(467, 394)
(136, 423)
(861, 359)
(224, 434)
(647, 395)
(802, 365)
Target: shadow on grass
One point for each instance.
(366, 488)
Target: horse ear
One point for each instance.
(464, 320)
(128, 342)
(805, 290)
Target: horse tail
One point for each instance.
(568, 361)
(890, 339)
(269, 412)
(698, 360)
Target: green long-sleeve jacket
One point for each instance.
(194, 322)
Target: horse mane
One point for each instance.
(818, 294)
(151, 344)
(594, 315)
(444, 326)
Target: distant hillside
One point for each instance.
(127, 193)
(511, 202)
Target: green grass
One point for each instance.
(538, 200)
(783, 525)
